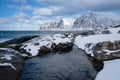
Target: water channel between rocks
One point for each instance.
(72, 65)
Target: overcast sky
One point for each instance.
(29, 14)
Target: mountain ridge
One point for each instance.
(88, 21)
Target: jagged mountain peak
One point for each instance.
(96, 20)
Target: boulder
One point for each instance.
(47, 43)
(43, 50)
(107, 50)
(63, 47)
(119, 31)
(106, 32)
(16, 41)
(11, 64)
(86, 33)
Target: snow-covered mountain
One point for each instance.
(88, 21)
(96, 20)
(48, 25)
(65, 23)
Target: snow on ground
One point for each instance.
(7, 64)
(108, 51)
(82, 42)
(7, 56)
(59, 38)
(110, 71)
(114, 30)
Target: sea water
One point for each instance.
(7, 35)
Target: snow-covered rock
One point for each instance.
(101, 47)
(107, 50)
(44, 44)
(11, 64)
(114, 30)
(96, 20)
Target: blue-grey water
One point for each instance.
(73, 65)
(6, 35)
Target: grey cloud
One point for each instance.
(84, 4)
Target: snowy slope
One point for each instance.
(110, 71)
(96, 20)
(66, 23)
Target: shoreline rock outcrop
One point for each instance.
(11, 64)
(45, 44)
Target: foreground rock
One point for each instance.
(45, 44)
(100, 47)
(73, 65)
(11, 64)
(13, 42)
(107, 50)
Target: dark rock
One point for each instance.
(107, 50)
(119, 31)
(16, 41)
(86, 33)
(116, 26)
(43, 50)
(63, 47)
(15, 46)
(106, 32)
(11, 64)
(98, 65)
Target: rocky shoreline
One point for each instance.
(14, 53)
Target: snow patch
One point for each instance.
(7, 64)
(7, 56)
(108, 51)
(110, 71)
(114, 30)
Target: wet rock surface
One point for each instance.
(11, 64)
(73, 65)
